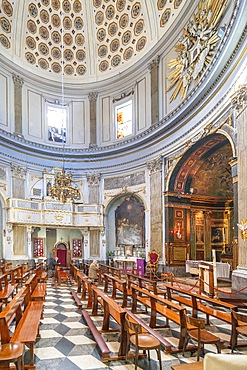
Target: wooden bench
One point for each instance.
(104, 349)
(21, 274)
(76, 299)
(164, 307)
(37, 290)
(73, 272)
(117, 284)
(105, 269)
(189, 366)
(85, 288)
(27, 329)
(144, 283)
(41, 274)
(201, 303)
(111, 308)
(62, 276)
(7, 287)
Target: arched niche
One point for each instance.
(62, 252)
(126, 216)
(199, 202)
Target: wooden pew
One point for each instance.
(117, 284)
(104, 349)
(62, 276)
(164, 307)
(21, 274)
(40, 273)
(144, 283)
(201, 303)
(105, 269)
(111, 308)
(27, 329)
(37, 289)
(7, 287)
(85, 288)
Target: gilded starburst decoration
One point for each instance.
(196, 47)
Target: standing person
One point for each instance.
(51, 267)
(93, 268)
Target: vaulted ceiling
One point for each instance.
(89, 39)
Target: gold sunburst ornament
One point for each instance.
(196, 47)
(243, 228)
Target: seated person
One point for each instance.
(93, 268)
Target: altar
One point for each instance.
(222, 268)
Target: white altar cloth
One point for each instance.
(222, 268)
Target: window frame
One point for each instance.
(56, 105)
(118, 104)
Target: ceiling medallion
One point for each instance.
(196, 47)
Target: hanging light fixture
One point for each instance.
(63, 189)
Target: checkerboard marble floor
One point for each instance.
(66, 342)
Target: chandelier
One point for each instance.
(63, 189)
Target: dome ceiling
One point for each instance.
(87, 39)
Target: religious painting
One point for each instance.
(128, 250)
(217, 235)
(129, 221)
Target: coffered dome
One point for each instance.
(86, 39)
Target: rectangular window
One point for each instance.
(124, 125)
(56, 122)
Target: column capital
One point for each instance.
(239, 100)
(155, 165)
(154, 63)
(17, 80)
(18, 172)
(93, 96)
(93, 179)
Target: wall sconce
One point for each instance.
(243, 228)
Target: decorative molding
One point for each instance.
(154, 63)
(93, 179)
(18, 172)
(93, 96)
(155, 165)
(123, 96)
(196, 47)
(240, 99)
(17, 80)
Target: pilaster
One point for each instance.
(93, 127)
(156, 227)
(154, 72)
(18, 83)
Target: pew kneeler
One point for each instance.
(12, 352)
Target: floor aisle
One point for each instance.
(66, 343)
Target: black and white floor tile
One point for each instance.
(66, 342)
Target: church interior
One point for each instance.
(123, 184)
